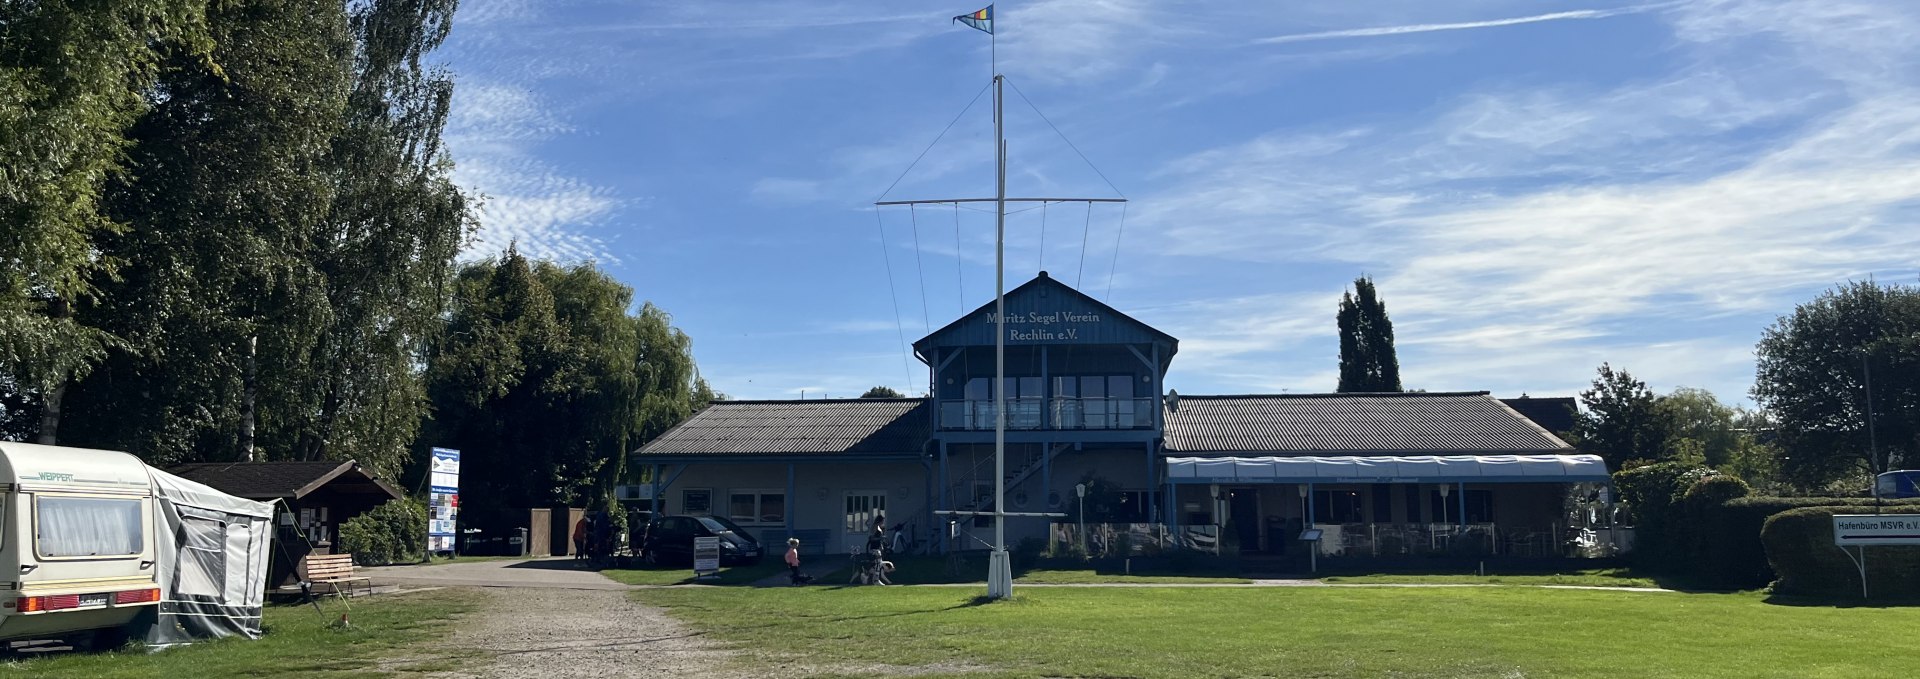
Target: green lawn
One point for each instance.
(1302, 632)
(938, 570)
(298, 641)
(1602, 577)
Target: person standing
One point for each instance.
(580, 538)
(793, 562)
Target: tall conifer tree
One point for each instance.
(1367, 359)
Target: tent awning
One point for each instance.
(1389, 469)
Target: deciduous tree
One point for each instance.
(1620, 420)
(1812, 375)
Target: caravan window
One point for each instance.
(69, 526)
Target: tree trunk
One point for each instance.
(50, 412)
(50, 416)
(252, 389)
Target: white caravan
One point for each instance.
(76, 541)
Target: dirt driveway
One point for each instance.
(560, 573)
(552, 618)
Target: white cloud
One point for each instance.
(1522, 236)
(492, 135)
(1456, 26)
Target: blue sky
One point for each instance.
(1536, 186)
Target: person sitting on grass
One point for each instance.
(793, 562)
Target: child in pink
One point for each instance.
(793, 562)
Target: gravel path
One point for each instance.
(540, 633)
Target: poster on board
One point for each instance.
(443, 500)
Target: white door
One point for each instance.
(862, 506)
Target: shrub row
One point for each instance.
(1731, 554)
(395, 532)
(1799, 545)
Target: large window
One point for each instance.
(696, 501)
(757, 506)
(68, 526)
(1336, 506)
(1095, 402)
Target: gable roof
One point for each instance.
(1363, 424)
(291, 480)
(872, 426)
(1036, 295)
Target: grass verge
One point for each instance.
(298, 642)
(1304, 632)
(1600, 577)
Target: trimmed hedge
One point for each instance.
(1730, 552)
(1799, 545)
(395, 532)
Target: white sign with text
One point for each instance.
(1876, 529)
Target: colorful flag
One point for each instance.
(982, 19)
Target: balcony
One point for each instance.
(1060, 413)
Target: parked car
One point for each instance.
(669, 540)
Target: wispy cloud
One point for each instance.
(1456, 26)
(1524, 235)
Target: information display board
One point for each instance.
(443, 501)
(706, 556)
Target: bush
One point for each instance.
(1732, 555)
(1799, 545)
(1656, 494)
(395, 532)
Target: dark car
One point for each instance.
(669, 540)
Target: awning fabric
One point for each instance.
(1389, 469)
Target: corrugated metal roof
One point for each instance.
(1352, 423)
(289, 479)
(868, 425)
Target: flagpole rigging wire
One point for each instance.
(893, 296)
(1043, 237)
(920, 269)
(1116, 252)
(959, 264)
(1084, 229)
(1063, 137)
(936, 140)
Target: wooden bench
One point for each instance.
(334, 570)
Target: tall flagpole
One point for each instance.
(1000, 568)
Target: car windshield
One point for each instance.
(717, 524)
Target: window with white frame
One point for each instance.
(755, 506)
(696, 501)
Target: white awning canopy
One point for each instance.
(1389, 469)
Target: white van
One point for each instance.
(76, 541)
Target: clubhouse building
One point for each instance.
(1378, 475)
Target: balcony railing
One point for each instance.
(1061, 413)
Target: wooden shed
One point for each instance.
(311, 500)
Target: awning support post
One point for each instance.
(1461, 494)
(790, 502)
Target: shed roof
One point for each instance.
(827, 426)
(1393, 423)
(292, 480)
